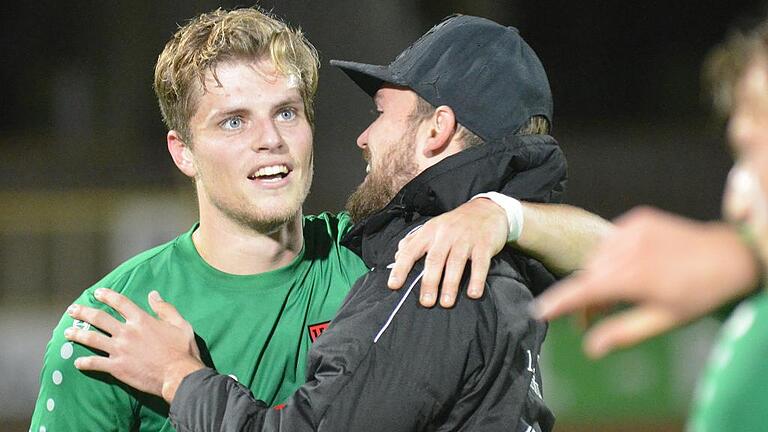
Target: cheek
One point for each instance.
(375, 135)
(759, 168)
(379, 144)
(299, 141)
(218, 168)
(307, 150)
(748, 132)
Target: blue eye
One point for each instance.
(232, 123)
(287, 114)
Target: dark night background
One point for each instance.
(81, 134)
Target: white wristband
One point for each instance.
(514, 210)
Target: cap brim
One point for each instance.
(367, 77)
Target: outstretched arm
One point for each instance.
(671, 269)
(559, 235)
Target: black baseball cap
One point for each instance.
(484, 71)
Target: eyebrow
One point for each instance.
(229, 113)
(291, 100)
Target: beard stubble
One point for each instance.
(384, 182)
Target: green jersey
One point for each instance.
(256, 328)
(733, 392)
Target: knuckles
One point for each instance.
(85, 336)
(458, 258)
(481, 254)
(433, 259)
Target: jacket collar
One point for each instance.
(530, 168)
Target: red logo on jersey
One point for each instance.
(315, 330)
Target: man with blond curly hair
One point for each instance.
(258, 280)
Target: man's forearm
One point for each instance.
(560, 235)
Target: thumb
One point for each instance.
(164, 310)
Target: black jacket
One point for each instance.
(388, 364)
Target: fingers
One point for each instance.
(600, 284)
(166, 311)
(481, 262)
(565, 297)
(433, 273)
(590, 314)
(448, 241)
(95, 317)
(118, 302)
(629, 328)
(93, 363)
(454, 269)
(409, 250)
(91, 339)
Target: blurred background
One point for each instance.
(86, 182)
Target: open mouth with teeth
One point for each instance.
(270, 174)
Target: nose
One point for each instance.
(362, 140)
(267, 138)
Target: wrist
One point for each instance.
(175, 375)
(513, 210)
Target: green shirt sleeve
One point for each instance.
(71, 400)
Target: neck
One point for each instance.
(233, 248)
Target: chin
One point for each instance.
(275, 216)
(262, 215)
(281, 215)
(267, 223)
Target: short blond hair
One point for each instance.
(219, 36)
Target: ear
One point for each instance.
(441, 128)
(181, 154)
